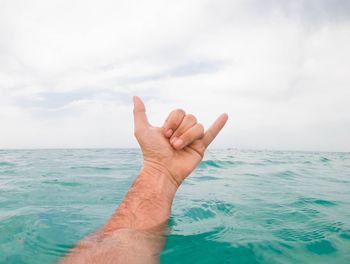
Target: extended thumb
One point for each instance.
(140, 117)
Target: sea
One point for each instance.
(238, 206)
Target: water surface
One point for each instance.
(237, 207)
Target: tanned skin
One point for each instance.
(133, 234)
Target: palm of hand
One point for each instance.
(156, 148)
(160, 149)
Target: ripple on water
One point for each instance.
(345, 235)
(45, 246)
(324, 159)
(208, 163)
(309, 232)
(198, 213)
(209, 210)
(286, 174)
(324, 202)
(219, 163)
(28, 237)
(303, 201)
(191, 249)
(7, 164)
(101, 168)
(321, 247)
(63, 183)
(206, 178)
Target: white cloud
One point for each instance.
(68, 70)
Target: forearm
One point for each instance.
(148, 202)
(133, 234)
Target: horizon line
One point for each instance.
(137, 148)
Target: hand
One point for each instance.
(177, 148)
(170, 154)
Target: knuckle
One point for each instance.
(180, 111)
(191, 117)
(201, 148)
(210, 134)
(175, 117)
(136, 133)
(201, 128)
(185, 139)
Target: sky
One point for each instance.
(279, 68)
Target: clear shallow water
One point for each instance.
(237, 207)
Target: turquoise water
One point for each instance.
(237, 207)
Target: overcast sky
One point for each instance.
(279, 68)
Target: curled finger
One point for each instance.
(173, 122)
(187, 122)
(192, 134)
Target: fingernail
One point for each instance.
(168, 133)
(178, 143)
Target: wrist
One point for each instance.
(158, 178)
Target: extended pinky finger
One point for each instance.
(192, 134)
(214, 130)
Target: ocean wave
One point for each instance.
(219, 163)
(91, 168)
(63, 183)
(302, 201)
(286, 173)
(324, 159)
(240, 207)
(207, 178)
